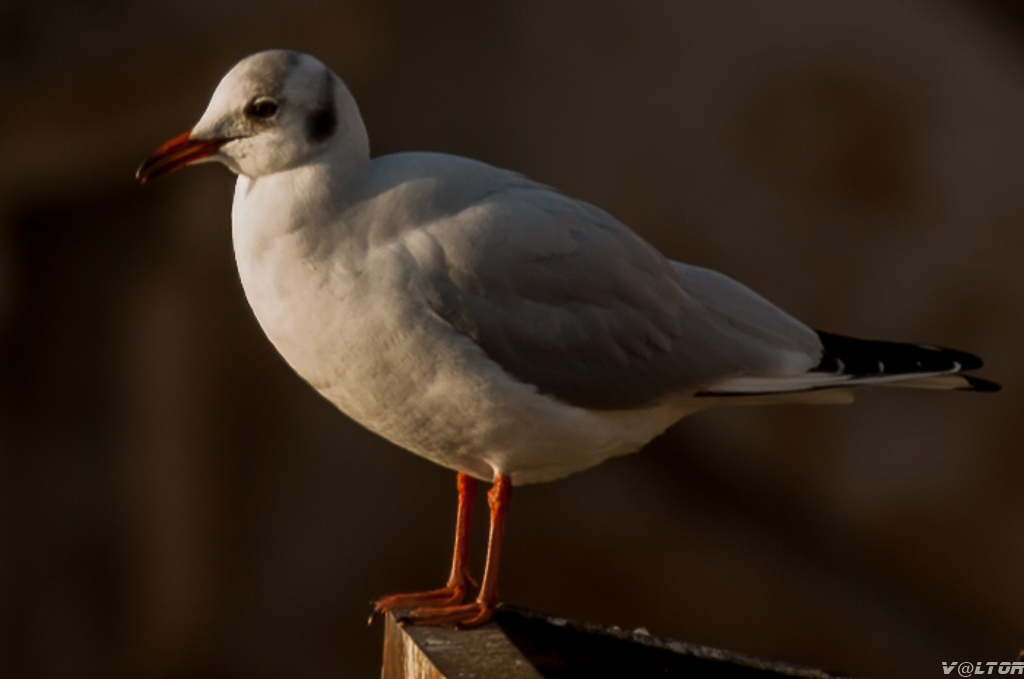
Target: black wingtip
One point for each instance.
(978, 384)
(967, 361)
(864, 357)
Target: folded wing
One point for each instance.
(566, 298)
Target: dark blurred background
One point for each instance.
(176, 504)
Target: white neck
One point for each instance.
(304, 199)
(288, 236)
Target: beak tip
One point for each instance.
(175, 154)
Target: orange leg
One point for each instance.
(454, 592)
(483, 609)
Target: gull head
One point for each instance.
(273, 111)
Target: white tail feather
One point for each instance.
(813, 381)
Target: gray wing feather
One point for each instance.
(768, 332)
(566, 298)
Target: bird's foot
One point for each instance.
(446, 597)
(462, 617)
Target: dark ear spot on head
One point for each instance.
(323, 120)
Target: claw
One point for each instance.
(466, 616)
(438, 598)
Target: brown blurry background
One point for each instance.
(175, 503)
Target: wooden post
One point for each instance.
(522, 644)
(442, 653)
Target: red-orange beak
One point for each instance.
(177, 153)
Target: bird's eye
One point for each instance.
(261, 107)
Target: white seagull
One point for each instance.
(482, 320)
